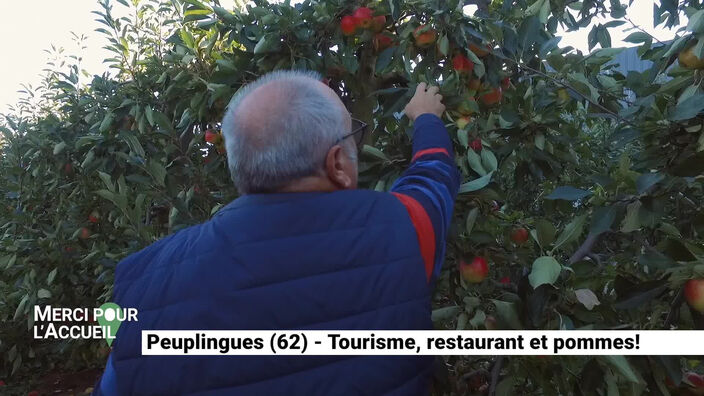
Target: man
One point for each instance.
(302, 248)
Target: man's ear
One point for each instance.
(336, 166)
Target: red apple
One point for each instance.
(505, 83)
(212, 136)
(462, 64)
(348, 25)
(476, 145)
(696, 380)
(378, 23)
(694, 294)
(364, 16)
(68, 168)
(2, 383)
(93, 217)
(424, 36)
(480, 52)
(519, 235)
(475, 271)
(492, 97)
(33, 393)
(85, 233)
(382, 41)
(505, 280)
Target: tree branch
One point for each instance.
(641, 29)
(571, 88)
(495, 372)
(674, 308)
(585, 249)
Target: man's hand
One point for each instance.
(426, 100)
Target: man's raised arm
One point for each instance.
(429, 186)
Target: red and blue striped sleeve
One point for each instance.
(428, 189)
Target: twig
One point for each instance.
(641, 29)
(674, 308)
(595, 258)
(473, 373)
(495, 372)
(565, 85)
(585, 249)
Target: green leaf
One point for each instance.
(544, 12)
(444, 313)
(225, 15)
(632, 220)
(9, 260)
(107, 121)
(478, 319)
(43, 293)
(471, 219)
(59, 147)
(476, 184)
(507, 314)
(621, 364)
(568, 193)
(540, 141)
(689, 108)
(544, 233)
(384, 59)
(117, 199)
(157, 171)
(571, 232)
(489, 160)
(444, 45)
(268, 43)
(475, 162)
(20, 307)
(350, 61)
(670, 230)
(52, 275)
(107, 180)
(545, 270)
(647, 180)
(602, 219)
(535, 8)
(696, 22)
(637, 37)
(133, 143)
(197, 4)
(149, 114)
(374, 152)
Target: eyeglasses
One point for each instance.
(359, 129)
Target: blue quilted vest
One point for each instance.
(343, 260)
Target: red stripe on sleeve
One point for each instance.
(424, 230)
(429, 151)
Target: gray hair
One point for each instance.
(296, 138)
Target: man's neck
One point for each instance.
(309, 184)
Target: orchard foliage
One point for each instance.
(582, 185)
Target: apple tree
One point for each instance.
(581, 202)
